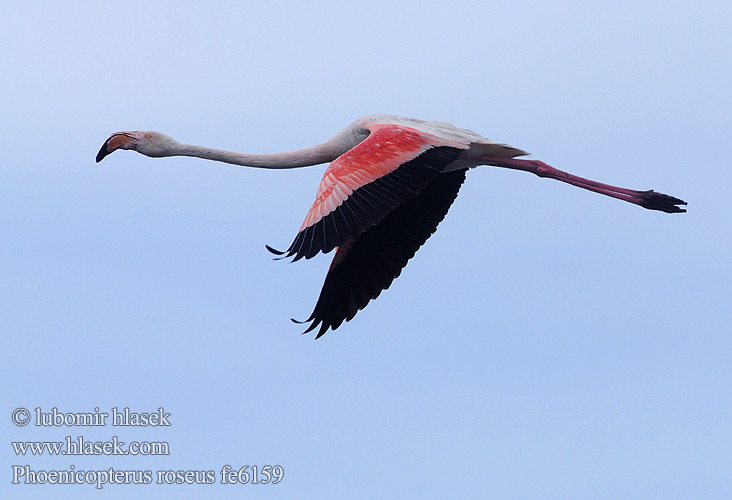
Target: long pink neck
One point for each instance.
(322, 153)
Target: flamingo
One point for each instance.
(390, 182)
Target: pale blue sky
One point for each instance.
(547, 342)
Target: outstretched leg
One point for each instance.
(647, 199)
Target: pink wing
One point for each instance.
(366, 183)
(362, 268)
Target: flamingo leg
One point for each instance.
(646, 199)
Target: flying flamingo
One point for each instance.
(390, 182)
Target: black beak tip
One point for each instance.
(102, 152)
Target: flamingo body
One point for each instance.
(384, 151)
(390, 182)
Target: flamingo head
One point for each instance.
(152, 144)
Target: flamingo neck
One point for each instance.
(321, 153)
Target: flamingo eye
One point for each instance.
(147, 136)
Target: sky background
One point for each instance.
(546, 342)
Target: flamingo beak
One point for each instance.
(120, 140)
